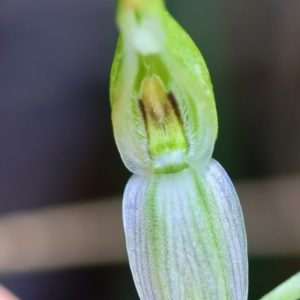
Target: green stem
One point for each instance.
(288, 290)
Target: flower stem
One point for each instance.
(288, 290)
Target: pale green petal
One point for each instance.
(185, 236)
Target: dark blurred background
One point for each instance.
(56, 139)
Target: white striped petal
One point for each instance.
(185, 236)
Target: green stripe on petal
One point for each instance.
(185, 236)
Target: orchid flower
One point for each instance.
(183, 222)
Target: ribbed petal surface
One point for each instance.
(185, 236)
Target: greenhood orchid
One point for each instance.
(183, 223)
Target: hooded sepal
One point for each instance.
(153, 46)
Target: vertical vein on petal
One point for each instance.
(150, 199)
(171, 266)
(153, 232)
(230, 212)
(140, 266)
(133, 215)
(199, 246)
(185, 234)
(203, 195)
(225, 224)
